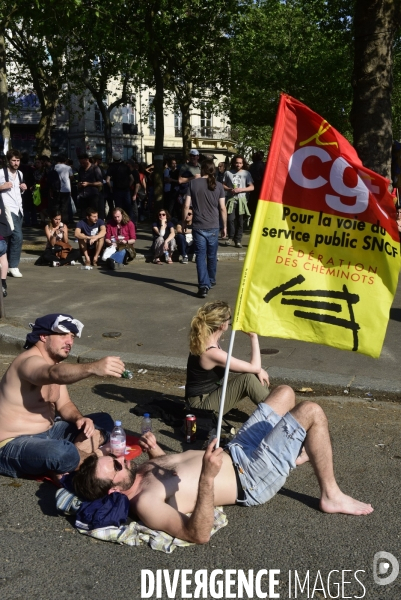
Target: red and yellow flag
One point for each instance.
(324, 255)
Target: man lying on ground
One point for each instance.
(34, 388)
(252, 470)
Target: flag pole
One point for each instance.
(223, 392)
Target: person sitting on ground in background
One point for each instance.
(33, 390)
(207, 362)
(90, 234)
(251, 470)
(163, 238)
(57, 242)
(184, 237)
(238, 183)
(120, 235)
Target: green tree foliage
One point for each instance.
(300, 47)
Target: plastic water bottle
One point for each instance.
(118, 440)
(113, 240)
(166, 255)
(146, 424)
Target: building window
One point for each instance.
(206, 121)
(128, 114)
(130, 152)
(101, 149)
(178, 123)
(151, 120)
(99, 123)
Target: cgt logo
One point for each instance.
(385, 568)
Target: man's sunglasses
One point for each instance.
(117, 465)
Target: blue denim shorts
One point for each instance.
(3, 247)
(52, 450)
(264, 452)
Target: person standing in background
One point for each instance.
(238, 183)
(12, 188)
(206, 196)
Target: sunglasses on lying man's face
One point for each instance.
(117, 465)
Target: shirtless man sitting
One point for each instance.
(33, 389)
(259, 458)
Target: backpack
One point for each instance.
(6, 177)
(53, 180)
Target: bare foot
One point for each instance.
(302, 458)
(340, 503)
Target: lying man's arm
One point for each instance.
(38, 372)
(148, 443)
(196, 528)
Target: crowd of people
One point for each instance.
(201, 205)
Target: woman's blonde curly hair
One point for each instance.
(207, 320)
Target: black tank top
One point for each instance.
(200, 380)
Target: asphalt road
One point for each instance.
(44, 558)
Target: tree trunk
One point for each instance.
(158, 104)
(4, 111)
(375, 24)
(184, 100)
(43, 135)
(186, 130)
(108, 137)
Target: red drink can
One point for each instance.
(190, 429)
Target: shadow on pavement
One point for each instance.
(164, 282)
(310, 501)
(395, 314)
(46, 501)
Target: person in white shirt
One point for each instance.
(62, 199)
(12, 188)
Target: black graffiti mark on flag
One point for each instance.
(336, 307)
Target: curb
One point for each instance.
(146, 256)
(12, 340)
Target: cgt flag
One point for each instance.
(324, 255)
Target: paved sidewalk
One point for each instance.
(151, 306)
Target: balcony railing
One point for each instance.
(213, 133)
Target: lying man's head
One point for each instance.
(101, 475)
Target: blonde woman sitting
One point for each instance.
(207, 362)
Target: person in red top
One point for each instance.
(120, 233)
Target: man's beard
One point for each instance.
(131, 474)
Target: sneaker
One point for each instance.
(238, 245)
(112, 264)
(73, 263)
(56, 264)
(212, 284)
(228, 242)
(15, 272)
(4, 292)
(184, 260)
(202, 292)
